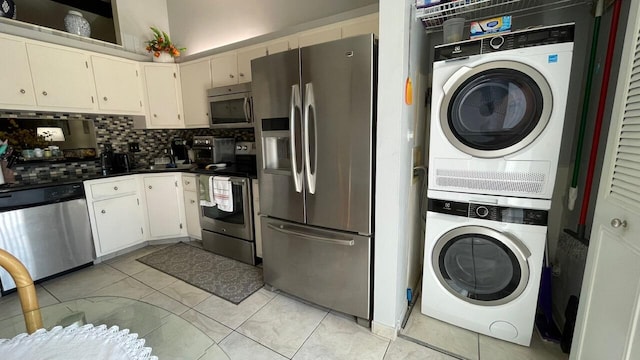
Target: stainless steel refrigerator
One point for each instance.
(315, 121)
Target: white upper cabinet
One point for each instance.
(363, 25)
(118, 85)
(62, 77)
(244, 61)
(224, 69)
(17, 88)
(322, 35)
(163, 95)
(282, 44)
(195, 78)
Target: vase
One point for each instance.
(164, 57)
(75, 23)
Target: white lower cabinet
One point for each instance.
(115, 211)
(164, 205)
(191, 206)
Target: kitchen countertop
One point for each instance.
(231, 170)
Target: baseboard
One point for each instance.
(385, 331)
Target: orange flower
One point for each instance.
(156, 54)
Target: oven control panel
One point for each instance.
(245, 148)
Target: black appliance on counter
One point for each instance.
(106, 159)
(179, 151)
(115, 163)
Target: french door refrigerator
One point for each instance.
(315, 120)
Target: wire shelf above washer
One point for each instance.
(432, 17)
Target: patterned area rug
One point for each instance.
(227, 278)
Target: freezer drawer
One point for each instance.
(329, 268)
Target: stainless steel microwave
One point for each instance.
(230, 106)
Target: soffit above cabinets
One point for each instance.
(433, 16)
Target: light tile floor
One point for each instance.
(267, 325)
(471, 345)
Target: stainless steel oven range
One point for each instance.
(231, 234)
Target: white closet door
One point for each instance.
(608, 315)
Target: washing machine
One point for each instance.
(498, 110)
(483, 261)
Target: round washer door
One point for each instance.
(496, 108)
(480, 265)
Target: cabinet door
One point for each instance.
(163, 206)
(62, 78)
(17, 88)
(282, 45)
(195, 78)
(192, 214)
(162, 86)
(118, 84)
(359, 27)
(319, 36)
(119, 223)
(224, 69)
(244, 61)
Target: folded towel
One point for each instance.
(206, 191)
(223, 193)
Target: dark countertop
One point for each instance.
(231, 170)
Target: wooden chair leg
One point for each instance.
(26, 290)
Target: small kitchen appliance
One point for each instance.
(213, 150)
(179, 150)
(107, 159)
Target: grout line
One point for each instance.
(310, 334)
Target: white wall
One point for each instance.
(202, 25)
(395, 131)
(133, 19)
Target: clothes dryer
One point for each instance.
(498, 112)
(483, 262)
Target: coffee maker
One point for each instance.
(107, 159)
(179, 151)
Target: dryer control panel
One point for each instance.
(490, 212)
(507, 41)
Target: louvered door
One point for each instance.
(609, 314)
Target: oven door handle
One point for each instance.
(285, 230)
(294, 108)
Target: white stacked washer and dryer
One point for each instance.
(496, 127)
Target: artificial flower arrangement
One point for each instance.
(162, 43)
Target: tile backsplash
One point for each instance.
(119, 131)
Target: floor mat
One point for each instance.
(227, 278)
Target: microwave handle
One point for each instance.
(247, 109)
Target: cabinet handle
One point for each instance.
(105, 98)
(104, 211)
(44, 93)
(155, 115)
(22, 91)
(150, 187)
(241, 74)
(231, 76)
(193, 201)
(115, 188)
(187, 182)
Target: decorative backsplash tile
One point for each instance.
(119, 131)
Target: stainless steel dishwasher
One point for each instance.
(47, 228)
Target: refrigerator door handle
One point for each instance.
(285, 230)
(295, 107)
(310, 107)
